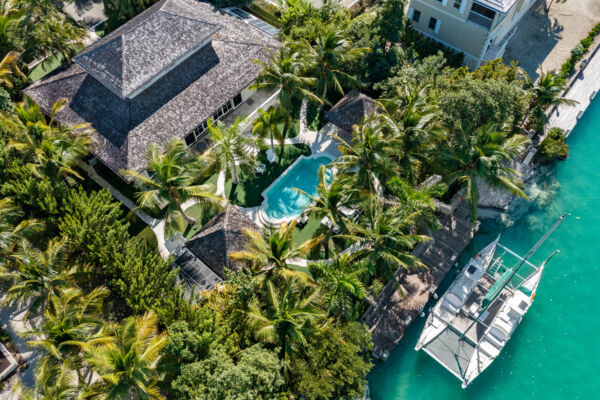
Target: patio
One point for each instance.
(249, 108)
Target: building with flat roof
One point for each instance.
(159, 76)
(480, 29)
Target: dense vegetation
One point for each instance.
(116, 324)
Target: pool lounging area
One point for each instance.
(282, 201)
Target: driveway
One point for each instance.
(546, 37)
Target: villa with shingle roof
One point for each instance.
(204, 260)
(159, 76)
(351, 110)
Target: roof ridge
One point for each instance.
(188, 18)
(225, 230)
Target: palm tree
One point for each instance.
(416, 116)
(12, 231)
(52, 150)
(289, 317)
(51, 383)
(385, 238)
(368, 159)
(331, 52)
(267, 125)
(8, 68)
(128, 366)
(171, 182)
(269, 253)
(411, 199)
(333, 193)
(545, 93)
(481, 154)
(39, 275)
(340, 279)
(231, 150)
(285, 71)
(72, 322)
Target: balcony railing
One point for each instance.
(480, 20)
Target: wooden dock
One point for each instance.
(395, 310)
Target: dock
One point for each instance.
(396, 308)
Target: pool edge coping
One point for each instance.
(262, 207)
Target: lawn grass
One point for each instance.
(201, 213)
(45, 67)
(248, 192)
(101, 30)
(305, 233)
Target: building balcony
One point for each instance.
(249, 108)
(480, 20)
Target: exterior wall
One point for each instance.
(455, 30)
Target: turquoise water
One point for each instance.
(283, 201)
(555, 352)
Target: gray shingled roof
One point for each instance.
(194, 275)
(351, 110)
(132, 59)
(220, 237)
(501, 6)
(173, 105)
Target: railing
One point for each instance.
(254, 114)
(480, 20)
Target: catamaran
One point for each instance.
(474, 319)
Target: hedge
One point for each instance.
(578, 51)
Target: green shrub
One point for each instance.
(578, 52)
(4, 336)
(553, 147)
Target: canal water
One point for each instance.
(555, 351)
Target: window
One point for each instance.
(190, 139)
(457, 4)
(432, 23)
(237, 100)
(416, 15)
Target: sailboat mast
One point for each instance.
(515, 270)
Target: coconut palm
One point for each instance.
(340, 280)
(231, 150)
(411, 199)
(51, 383)
(8, 68)
(482, 154)
(128, 365)
(171, 183)
(72, 321)
(416, 117)
(289, 317)
(368, 159)
(51, 150)
(331, 52)
(546, 92)
(12, 230)
(39, 275)
(270, 253)
(267, 125)
(332, 194)
(385, 239)
(285, 71)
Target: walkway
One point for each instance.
(547, 38)
(395, 309)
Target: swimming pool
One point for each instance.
(282, 201)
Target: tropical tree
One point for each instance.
(39, 275)
(52, 151)
(368, 159)
(267, 125)
(12, 229)
(546, 92)
(72, 322)
(414, 119)
(288, 318)
(8, 68)
(270, 253)
(231, 150)
(128, 365)
(340, 281)
(385, 239)
(331, 52)
(420, 199)
(482, 154)
(171, 183)
(51, 383)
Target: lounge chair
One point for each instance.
(260, 169)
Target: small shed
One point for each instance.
(349, 111)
